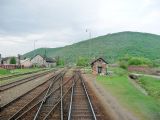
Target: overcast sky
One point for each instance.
(55, 23)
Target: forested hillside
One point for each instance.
(110, 46)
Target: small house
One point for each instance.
(40, 60)
(50, 62)
(6, 60)
(26, 63)
(99, 66)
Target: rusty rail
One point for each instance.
(71, 114)
(45, 97)
(22, 81)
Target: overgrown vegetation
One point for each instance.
(128, 60)
(151, 85)
(59, 61)
(82, 61)
(139, 61)
(4, 71)
(156, 63)
(133, 43)
(146, 107)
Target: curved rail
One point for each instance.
(9, 103)
(32, 102)
(45, 97)
(59, 97)
(38, 103)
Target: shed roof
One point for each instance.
(97, 60)
(51, 60)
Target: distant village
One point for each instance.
(99, 65)
(23, 62)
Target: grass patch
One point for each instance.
(151, 85)
(4, 72)
(19, 72)
(25, 70)
(146, 107)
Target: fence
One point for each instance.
(10, 67)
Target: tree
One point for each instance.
(82, 61)
(139, 61)
(13, 60)
(59, 61)
(128, 60)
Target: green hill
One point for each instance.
(111, 47)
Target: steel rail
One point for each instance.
(70, 106)
(16, 75)
(58, 102)
(14, 116)
(45, 97)
(91, 106)
(61, 99)
(22, 81)
(22, 109)
(36, 104)
(87, 98)
(7, 104)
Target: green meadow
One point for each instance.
(146, 107)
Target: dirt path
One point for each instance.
(111, 105)
(154, 76)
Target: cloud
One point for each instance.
(56, 23)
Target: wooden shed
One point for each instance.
(99, 66)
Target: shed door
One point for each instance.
(99, 70)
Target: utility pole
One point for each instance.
(35, 47)
(45, 54)
(90, 36)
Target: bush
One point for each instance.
(123, 64)
(60, 62)
(119, 71)
(82, 61)
(156, 63)
(127, 60)
(139, 61)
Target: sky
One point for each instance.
(56, 23)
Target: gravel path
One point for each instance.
(11, 94)
(154, 76)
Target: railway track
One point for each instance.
(46, 107)
(62, 99)
(20, 74)
(24, 102)
(80, 104)
(24, 80)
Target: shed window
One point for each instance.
(99, 70)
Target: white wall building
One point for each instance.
(39, 60)
(26, 63)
